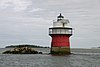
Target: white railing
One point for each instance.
(60, 31)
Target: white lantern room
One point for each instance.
(61, 26)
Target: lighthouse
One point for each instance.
(60, 34)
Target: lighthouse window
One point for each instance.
(63, 31)
(70, 31)
(58, 31)
(53, 31)
(63, 24)
(50, 31)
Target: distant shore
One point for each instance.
(26, 45)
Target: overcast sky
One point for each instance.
(27, 21)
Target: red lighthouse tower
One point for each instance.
(60, 33)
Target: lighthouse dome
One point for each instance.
(60, 17)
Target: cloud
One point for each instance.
(36, 9)
(17, 5)
(30, 19)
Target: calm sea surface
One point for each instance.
(79, 58)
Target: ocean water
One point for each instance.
(79, 58)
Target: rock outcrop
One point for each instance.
(22, 50)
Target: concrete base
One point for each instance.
(60, 50)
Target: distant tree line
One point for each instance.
(26, 45)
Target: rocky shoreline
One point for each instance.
(22, 50)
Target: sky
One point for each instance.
(27, 21)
